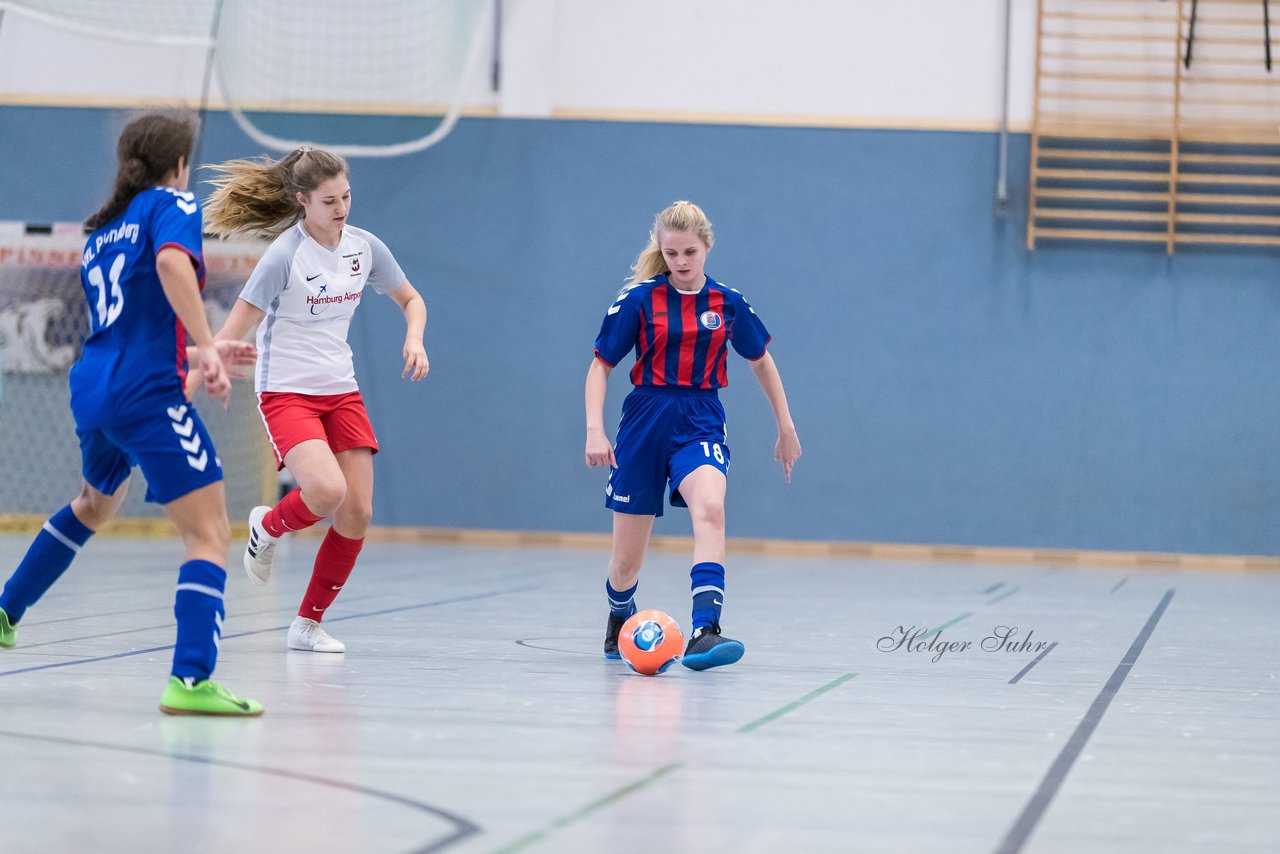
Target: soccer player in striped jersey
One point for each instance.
(142, 270)
(680, 322)
(302, 296)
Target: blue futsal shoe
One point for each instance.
(707, 649)
(611, 631)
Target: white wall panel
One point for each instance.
(893, 62)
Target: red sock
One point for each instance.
(291, 514)
(334, 562)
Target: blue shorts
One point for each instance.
(171, 446)
(665, 434)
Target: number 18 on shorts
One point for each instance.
(662, 439)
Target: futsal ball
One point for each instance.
(650, 642)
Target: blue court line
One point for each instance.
(152, 649)
(1119, 584)
(993, 588)
(239, 615)
(168, 608)
(1039, 803)
(1033, 663)
(1004, 595)
(462, 827)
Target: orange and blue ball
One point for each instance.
(650, 642)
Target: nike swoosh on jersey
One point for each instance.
(316, 276)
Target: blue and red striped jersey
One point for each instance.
(680, 339)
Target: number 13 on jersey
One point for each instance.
(107, 313)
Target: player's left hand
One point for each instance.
(416, 364)
(787, 451)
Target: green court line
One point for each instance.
(966, 615)
(791, 707)
(618, 794)
(612, 797)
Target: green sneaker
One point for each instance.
(205, 698)
(8, 631)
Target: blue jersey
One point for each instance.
(680, 339)
(136, 350)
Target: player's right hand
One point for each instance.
(217, 384)
(599, 451)
(236, 356)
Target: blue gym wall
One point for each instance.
(948, 385)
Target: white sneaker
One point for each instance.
(260, 549)
(307, 634)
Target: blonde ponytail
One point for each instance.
(678, 216)
(259, 197)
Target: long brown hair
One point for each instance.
(260, 196)
(149, 148)
(678, 216)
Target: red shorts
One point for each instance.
(339, 419)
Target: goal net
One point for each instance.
(43, 323)
(397, 70)
(181, 23)
(377, 79)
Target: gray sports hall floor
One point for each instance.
(473, 712)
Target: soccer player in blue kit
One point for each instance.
(142, 271)
(680, 323)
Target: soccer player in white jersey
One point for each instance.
(301, 296)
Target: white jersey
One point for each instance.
(309, 294)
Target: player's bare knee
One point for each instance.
(709, 514)
(353, 520)
(324, 497)
(95, 509)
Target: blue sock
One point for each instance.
(707, 583)
(621, 604)
(198, 607)
(49, 556)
